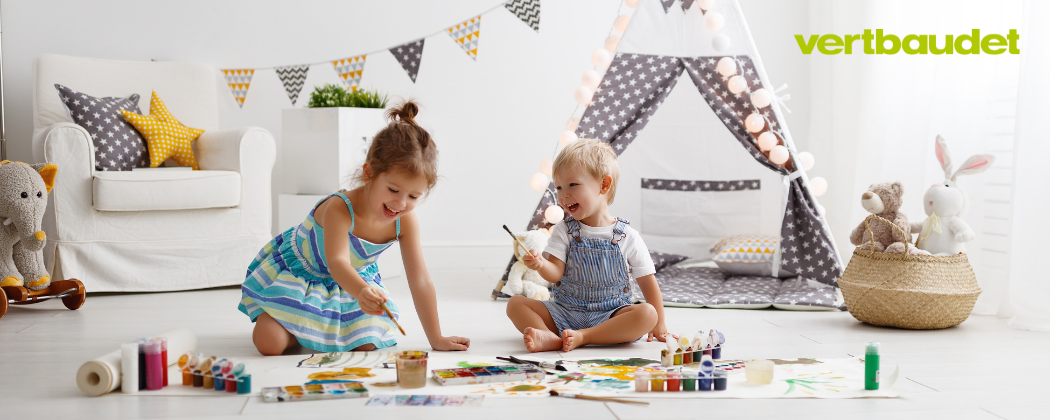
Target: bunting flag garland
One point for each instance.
(293, 78)
(667, 5)
(466, 34)
(239, 80)
(686, 4)
(409, 56)
(528, 11)
(350, 70)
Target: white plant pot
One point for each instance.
(323, 147)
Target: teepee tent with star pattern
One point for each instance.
(691, 171)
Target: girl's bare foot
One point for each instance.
(541, 340)
(571, 339)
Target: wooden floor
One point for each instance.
(981, 369)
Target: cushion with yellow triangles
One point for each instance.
(746, 255)
(166, 137)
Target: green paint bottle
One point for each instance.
(871, 366)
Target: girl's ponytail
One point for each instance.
(402, 145)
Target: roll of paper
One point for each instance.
(129, 367)
(102, 375)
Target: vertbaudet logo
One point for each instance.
(879, 43)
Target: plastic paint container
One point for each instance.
(412, 369)
(142, 363)
(759, 371)
(871, 366)
(687, 358)
(677, 359)
(657, 381)
(186, 364)
(688, 381)
(164, 357)
(716, 353)
(674, 381)
(154, 371)
(244, 384)
(641, 380)
(721, 380)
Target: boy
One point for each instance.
(591, 256)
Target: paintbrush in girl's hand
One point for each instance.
(523, 247)
(385, 309)
(588, 397)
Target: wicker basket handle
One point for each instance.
(867, 225)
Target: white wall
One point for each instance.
(494, 119)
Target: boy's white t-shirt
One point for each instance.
(635, 253)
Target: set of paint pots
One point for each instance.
(488, 374)
(675, 381)
(212, 373)
(307, 392)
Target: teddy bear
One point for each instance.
(23, 198)
(884, 200)
(522, 280)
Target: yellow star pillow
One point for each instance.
(165, 136)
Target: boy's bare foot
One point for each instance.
(540, 340)
(571, 339)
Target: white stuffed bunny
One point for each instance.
(522, 280)
(944, 232)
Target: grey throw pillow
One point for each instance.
(118, 146)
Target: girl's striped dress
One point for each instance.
(290, 281)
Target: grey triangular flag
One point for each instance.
(686, 4)
(667, 5)
(526, 10)
(293, 77)
(409, 56)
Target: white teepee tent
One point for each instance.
(685, 179)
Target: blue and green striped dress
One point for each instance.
(290, 281)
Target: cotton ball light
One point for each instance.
(807, 160)
(566, 137)
(572, 123)
(611, 42)
(761, 98)
(726, 66)
(714, 21)
(767, 141)
(754, 122)
(621, 23)
(779, 155)
(583, 95)
(820, 209)
(818, 186)
(601, 57)
(720, 42)
(706, 4)
(631, 3)
(538, 181)
(553, 214)
(591, 79)
(737, 84)
(547, 166)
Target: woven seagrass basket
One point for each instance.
(919, 292)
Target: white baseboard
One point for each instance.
(450, 256)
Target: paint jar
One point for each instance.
(689, 381)
(164, 357)
(707, 368)
(674, 381)
(678, 358)
(186, 364)
(759, 371)
(697, 355)
(129, 367)
(641, 380)
(716, 353)
(721, 379)
(219, 383)
(142, 362)
(244, 384)
(656, 384)
(154, 371)
(202, 376)
(687, 358)
(708, 353)
(704, 382)
(412, 369)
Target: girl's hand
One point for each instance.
(451, 343)
(533, 260)
(369, 298)
(660, 333)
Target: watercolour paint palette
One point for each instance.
(426, 400)
(488, 374)
(309, 392)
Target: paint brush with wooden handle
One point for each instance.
(523, 247)
(387, 310)
(588, 397)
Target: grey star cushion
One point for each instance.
(797, 294)
(663, 260)
(118, 146)
(689, 287)
(746, 292)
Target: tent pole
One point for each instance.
(761, 69)
(3, 126)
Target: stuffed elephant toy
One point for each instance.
(23, 198)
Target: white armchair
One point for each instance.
(150, 230)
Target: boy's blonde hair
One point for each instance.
(595, 157)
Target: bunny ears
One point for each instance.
(973, 165)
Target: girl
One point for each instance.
(318, 283)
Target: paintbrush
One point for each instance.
(523, 247)
(387, 310)
(588, 397)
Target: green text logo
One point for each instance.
(879, 43)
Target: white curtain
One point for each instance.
(874, 118)
(1028, 285)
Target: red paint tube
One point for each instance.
(164, 357)
(154, 371)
